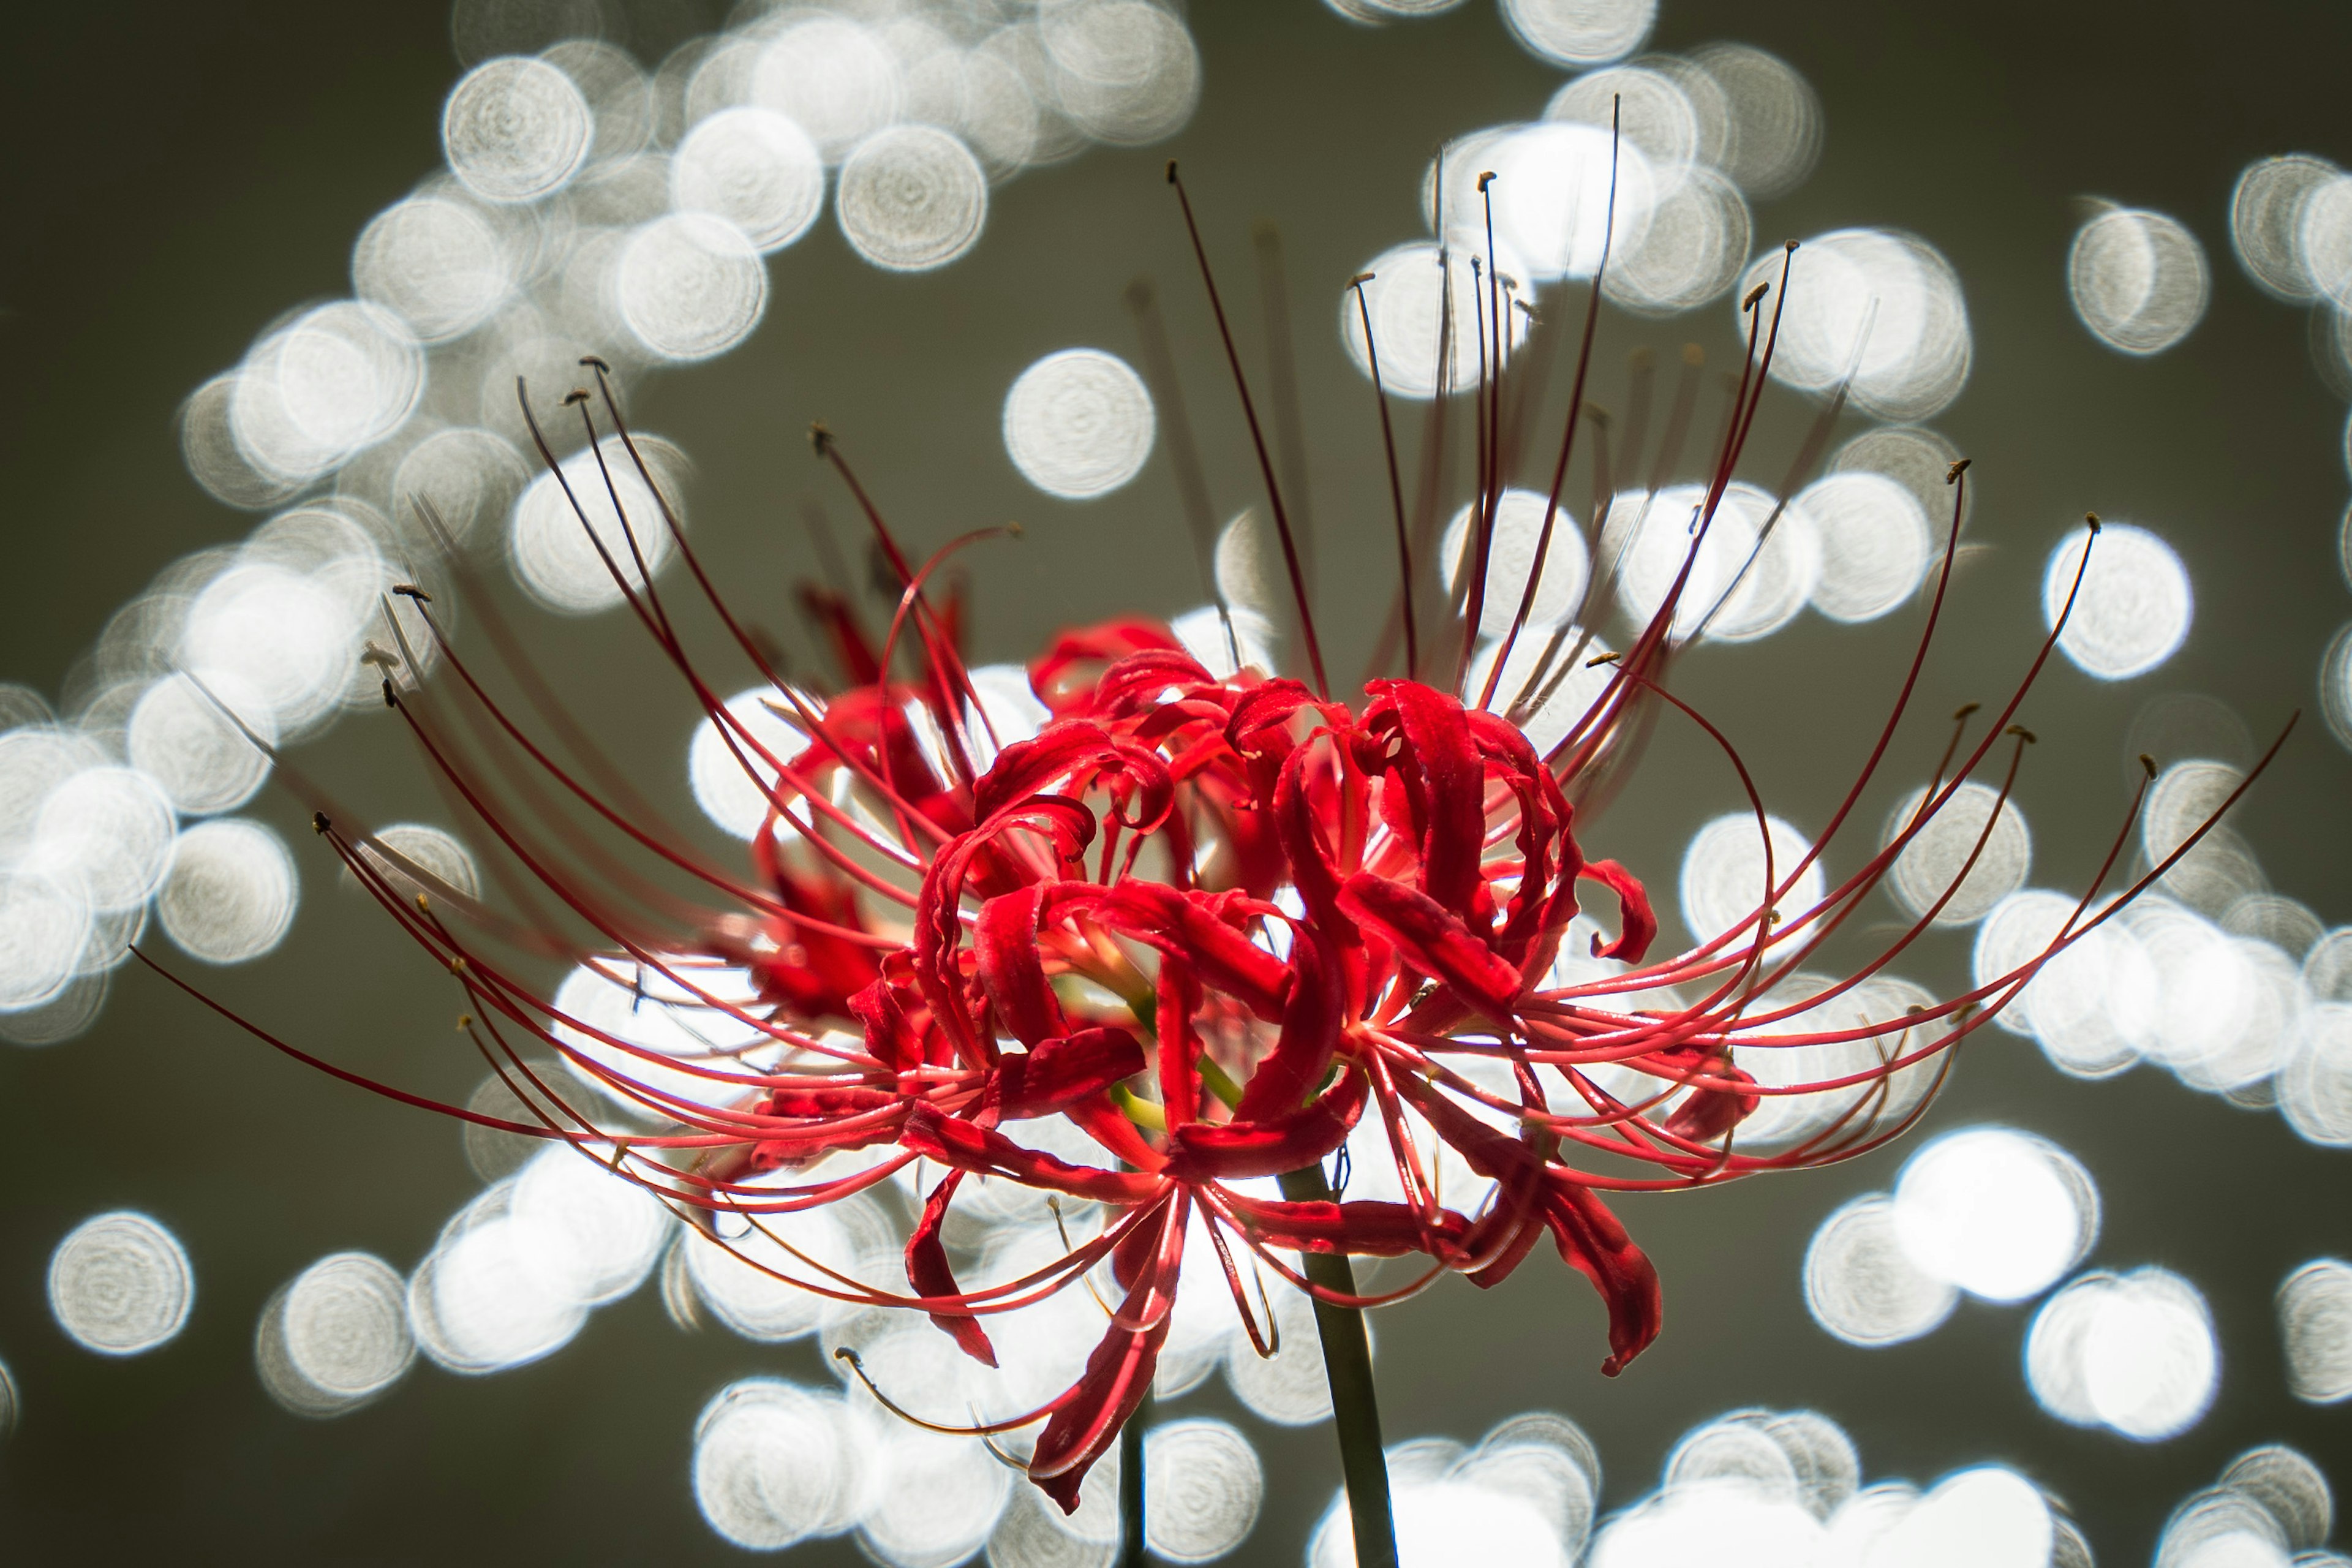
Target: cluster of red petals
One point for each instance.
(1214, 922)
(1240, 1056)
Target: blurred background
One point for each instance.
(188, 179)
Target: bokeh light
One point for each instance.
(911, 198)
(729, 778)
(549, 542)
(2314, 1315)
(1575, 33)
(1724, 876)
(1874, 545)
(689, 285)
(1750, 575)
(756, 169)
(2266, 221)
(229, 894)
(336, 1338)
(1517, 529)
(1203, 1492)
(2135, 1351)
(1419, 299)
(1975, 830)
(1863, 1286)
(121, 1284)
(2134, 609)
(2138, 280)
(1078, 424)
(2001, 1214)
(1879, 307)
(515, 129)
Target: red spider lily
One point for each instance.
(1214, 921)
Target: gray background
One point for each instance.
(179, 176)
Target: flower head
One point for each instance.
(1223, 926)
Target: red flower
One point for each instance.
(1219, 923)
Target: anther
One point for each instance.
(1755, 296)
(390, 698)
(1016, 530)
(457, 964)
(1484, 180)
(1963, 710)
(1361, 279)
(376, 656)
(2027, 736)
(423, 906)
(1530, 310)
(820, 437)
(1603, 658)
(1788, 247)
(620, 1153)
(576, 397)
(1959, 466)
(319, 825)
(2147, 762)
(2093, 519)
(1172, 170)
(411, 590)
(593, 363)
(465, 1022)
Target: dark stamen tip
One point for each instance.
(2022, 733)
(2148, 763)
(319, 823)
(424, 904)
(1963, 710)
(1484, 180)
(1788, 247)
(411, 590)
(391, 698)
(465, 1022)
(1952, 475)
(594, 364)
(1603, 658)
(1361, 279)
(1016, 530)
(820, 437)
(1755, 296)
(2093, 519)
(1172, 170)
(578, 394)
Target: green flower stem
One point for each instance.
(1130, 1486)
(1355, 1409)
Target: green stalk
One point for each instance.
(1130, 1487)
(1355, 1409)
